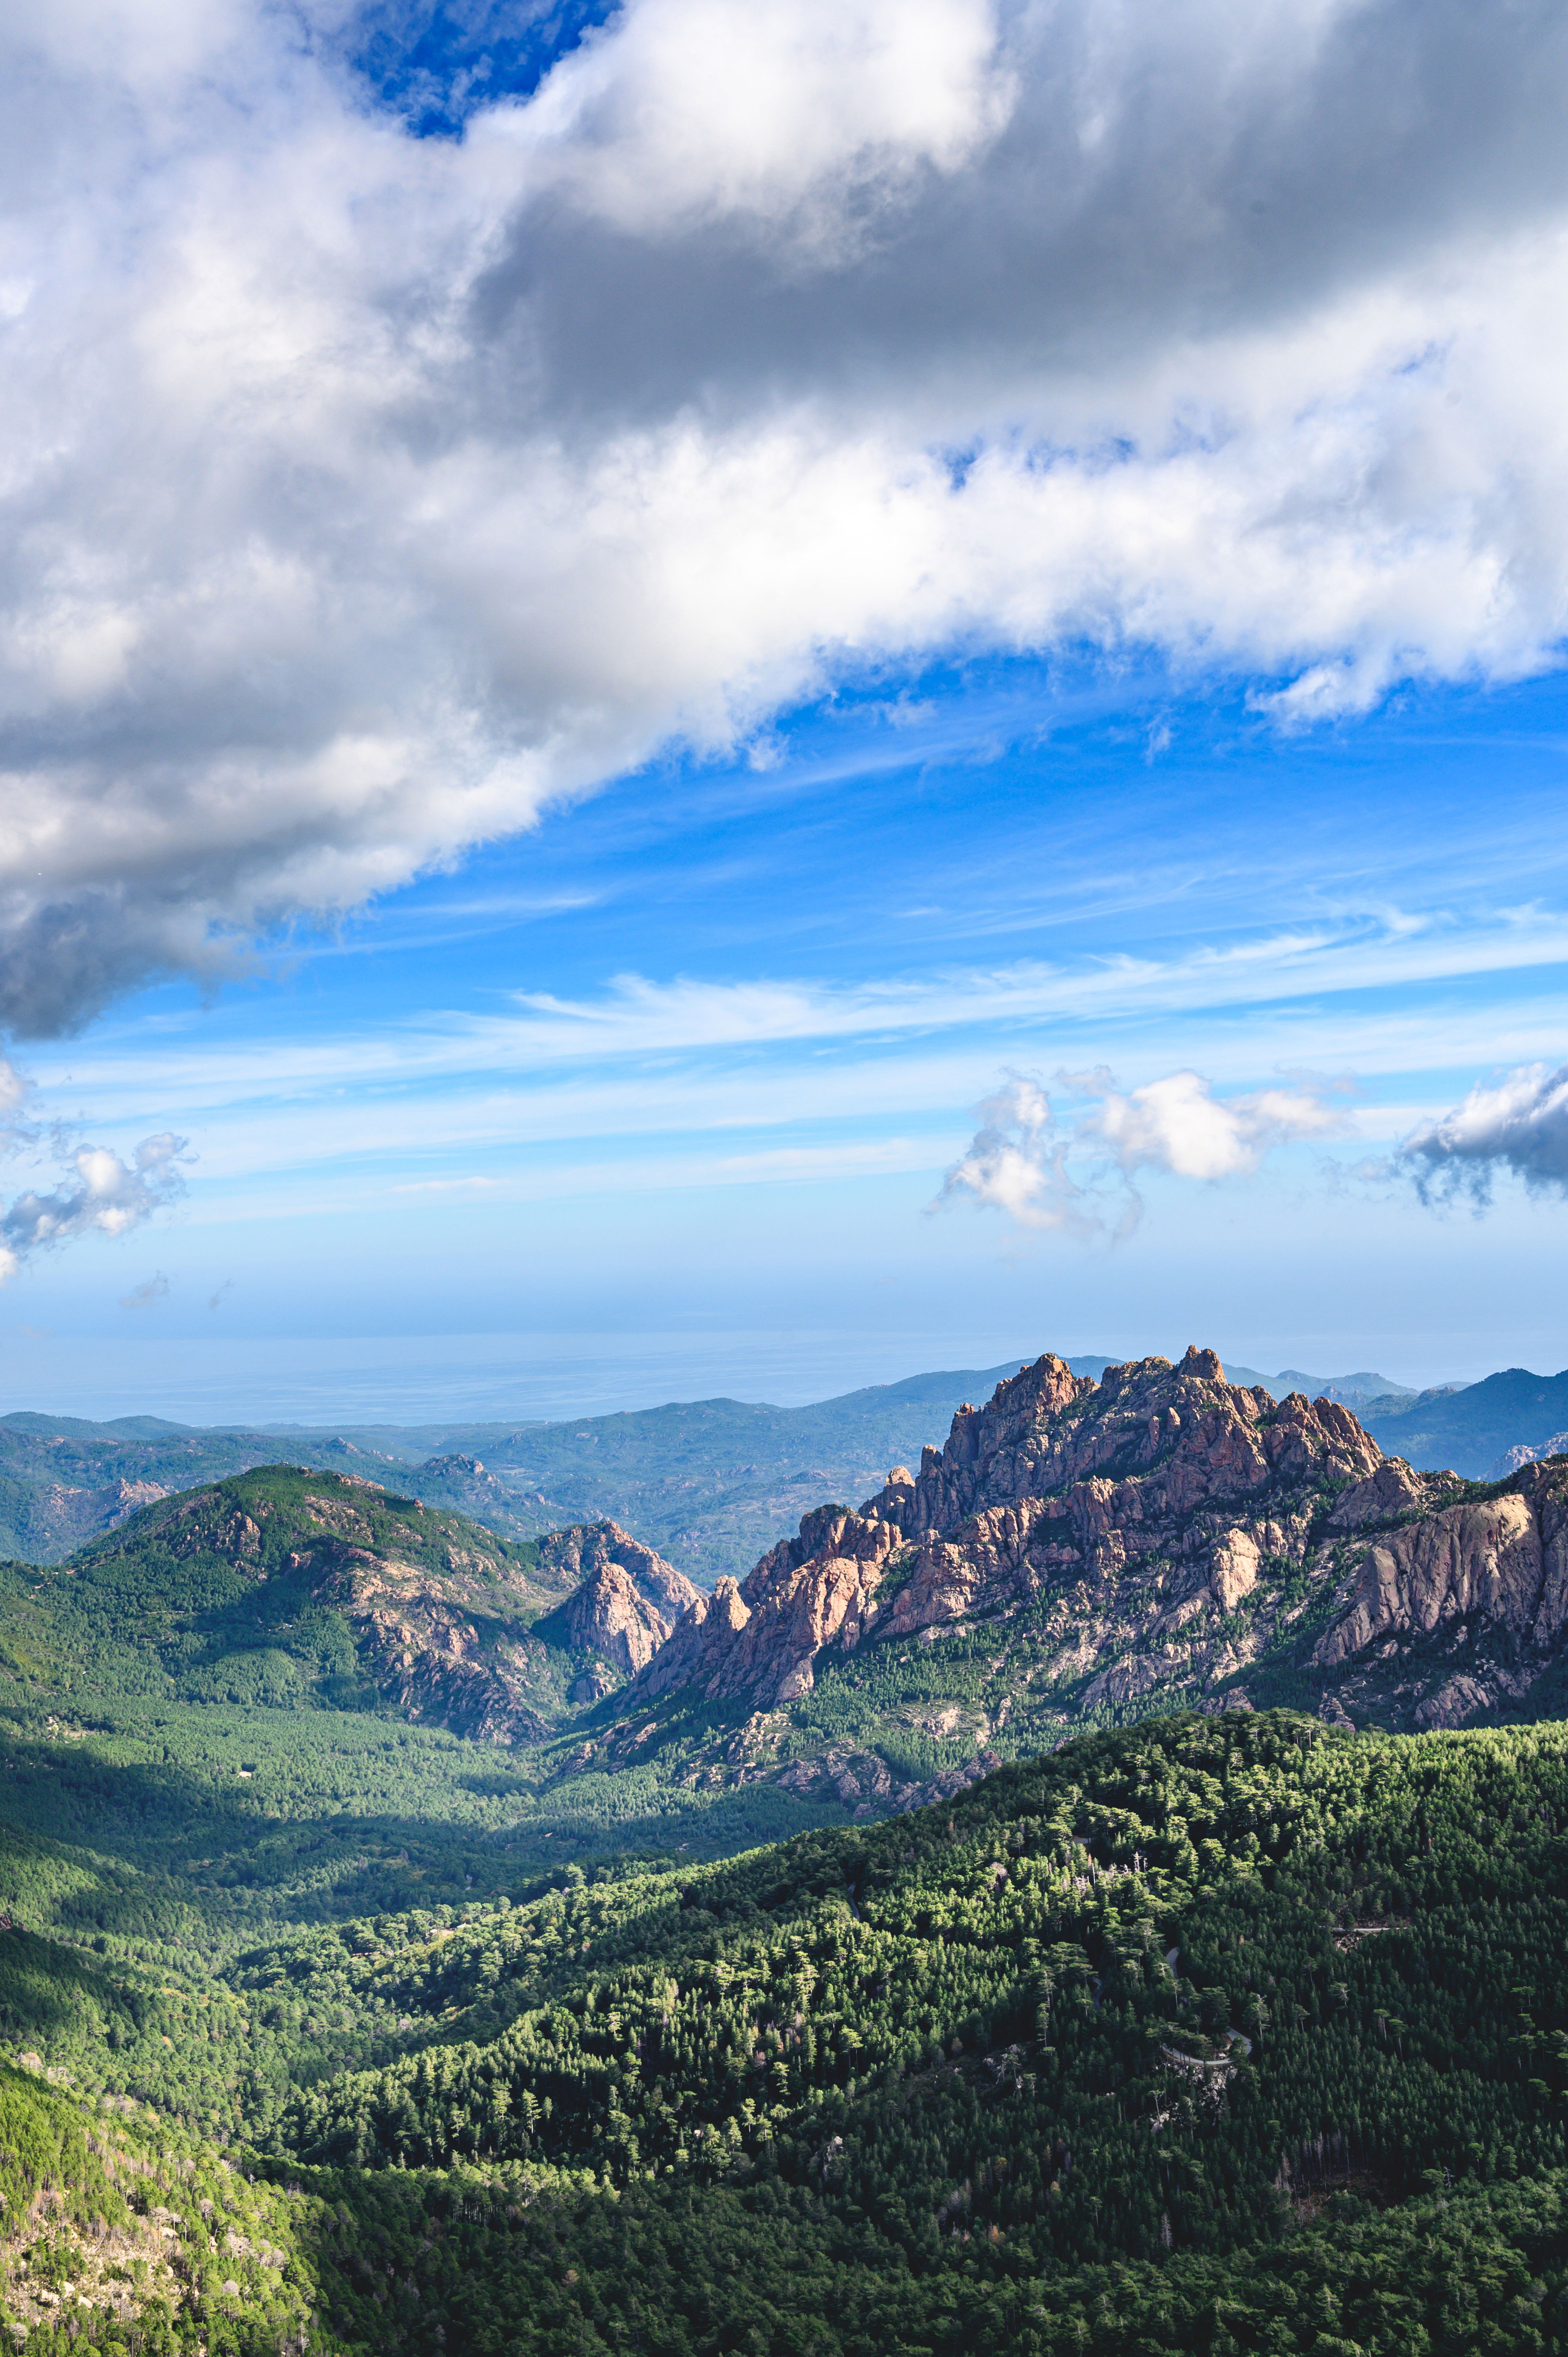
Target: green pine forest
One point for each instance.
(324, 2030)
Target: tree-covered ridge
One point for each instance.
(1182, 2037)
(282, 1586)
(978, 2071)
(674, 2018)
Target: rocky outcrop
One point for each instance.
(1512, 1458)
(626, 1603)
(705, 1632)
(578, 1554)
(1143, 1504)
(1078, 1551)
(70, 1515)
(1494, 1565)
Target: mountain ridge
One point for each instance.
(1081, 1553)
(709, 1482)
(284, 1586)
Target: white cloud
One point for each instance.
(1519, 1125)
(1178, 1125)
(697, 111)
(1016, 1163)
(98, 1194)
(362, 496)
(1075, 1173)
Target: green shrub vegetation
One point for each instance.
(1224, 2034)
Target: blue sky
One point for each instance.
(572, 878)
(676, 1078)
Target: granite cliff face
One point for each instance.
(1468, 1599)
(624, 1606)
(1160, 1539)
(1138, 1511)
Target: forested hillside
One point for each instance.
(286, 1589)
(1226, 2033)
(413, 1938)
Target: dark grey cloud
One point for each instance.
(1161, 175)
(1516, 1128)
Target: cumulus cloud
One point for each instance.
(1016, 1163)
(98, 1193)
(1178, 1125)
(1075, 1172)
(1518, 1126)
(363, 496)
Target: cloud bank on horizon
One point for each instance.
(364, 494)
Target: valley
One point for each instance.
(1100, 1889)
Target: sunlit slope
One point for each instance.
(1147, 2006)
(283, 1587)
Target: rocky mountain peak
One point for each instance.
(1046, 1428)
(626, 1605)
(1160, 1476)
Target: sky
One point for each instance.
(744, 697)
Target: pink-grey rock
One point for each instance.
(1057, 1482)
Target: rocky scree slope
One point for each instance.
(1091, 1551)
(284, 1585)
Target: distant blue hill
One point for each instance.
(710, 1483)
(1472, 1427)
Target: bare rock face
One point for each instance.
(1455, 1701)
(72, 1516)
(1145, 1541)
(628, 1602)
(1502, 1562)
(1145, 1502)
(1512, 1458)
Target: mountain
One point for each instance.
(1113, 1504)
(286, 1588)
(624, 1605)
(1079, 1552)
(1526, 1454)
(709, 1482)
(1357, 1390)
(1083, 1552)
(1473, 1428)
